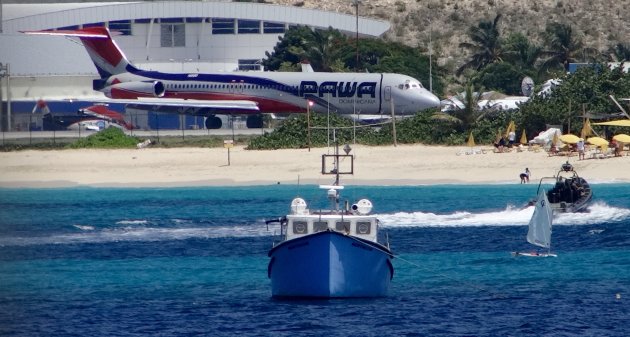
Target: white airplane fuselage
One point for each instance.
(249, 93)
(285, 92)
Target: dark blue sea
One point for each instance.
(193, 262)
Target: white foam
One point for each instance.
(599, 212)
(139, 234)
(84, 227)
(132, 222)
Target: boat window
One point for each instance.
(363, 227)
(342, 226)
(320, 226)
(299, 227)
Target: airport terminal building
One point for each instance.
(169, 36)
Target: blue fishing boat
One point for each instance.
(333, 252)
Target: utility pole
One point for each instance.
(430, 53)
(5, 119)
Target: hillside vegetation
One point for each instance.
(601, 23)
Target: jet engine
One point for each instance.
(131, 90)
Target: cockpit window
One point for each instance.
(410, 85)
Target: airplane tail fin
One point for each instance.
(107, 57)
(41, 107)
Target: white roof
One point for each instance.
(18, 17)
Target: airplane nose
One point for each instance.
(429, 100)
(434, 101)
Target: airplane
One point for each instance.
(359, 95)
(92, 118)
(101, 117)
(489, 100)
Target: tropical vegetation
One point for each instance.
(496, 63)
(110, 138)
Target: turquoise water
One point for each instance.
(192, 261)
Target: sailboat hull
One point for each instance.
(330, 264)
(534, 254)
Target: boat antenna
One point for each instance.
(336, 160)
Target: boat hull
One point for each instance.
(571, 201)
(534, 254)
(329, 264)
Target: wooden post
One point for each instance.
(308, 123)
(228, 144)
(393, 122)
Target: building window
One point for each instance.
(142, 20)
(249, 64)
(171, 20)
(172, 35)
(122, 26)
(222, 26)
(273, 28)
(248, 27)
(97, 24)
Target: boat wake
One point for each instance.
(178, 229)
(142, 230)
(599, 212)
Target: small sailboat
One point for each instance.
(539, 233)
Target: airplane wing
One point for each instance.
(187, 106)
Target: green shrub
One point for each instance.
(110, 138)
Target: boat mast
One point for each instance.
(333, 190)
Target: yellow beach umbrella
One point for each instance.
(597, 141)
(511, 128)
(499, 136)
(523, 138)
(569, 138)
(622, 138)
(621, 122)
(587, 130)
(471, 140)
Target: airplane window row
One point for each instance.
(228, 86)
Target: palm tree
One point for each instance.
(468, 113)
(485, 45)
(564, 47)
(521, 52)
(322, 48)
(620, 52)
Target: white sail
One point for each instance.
(539, 233)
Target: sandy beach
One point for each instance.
(386, 165)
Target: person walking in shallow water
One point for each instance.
(525, 176)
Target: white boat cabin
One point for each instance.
(355, 221)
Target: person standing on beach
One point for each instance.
(511, 138)
(525, 176)
(580, 148)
